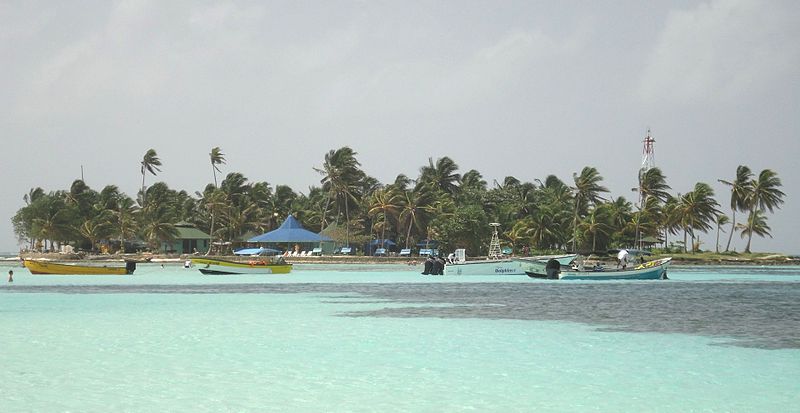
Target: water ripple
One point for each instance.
(749, 314)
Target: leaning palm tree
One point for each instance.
(762, 194)
(738, 195)
(756, 224)
(217, 158)
(586, 191)
(698, 210)
(150, 163)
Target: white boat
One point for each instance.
(482, 267)
(495, 264)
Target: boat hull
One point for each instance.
(223, 267)
(487, 267)
(653, 270)
(53, 268)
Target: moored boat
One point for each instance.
(536, 267)
(651, 270)
(55, 268)
(495, 264)
(257, 265)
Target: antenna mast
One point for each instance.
(648, 162)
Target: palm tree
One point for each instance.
(756, 224)
(340, 173)
(384, 201)
(150, 163)
(652, 184)
(93, 230)
(123, 219)
(762, 194)
(698, 209)
(415, 208)
(442, 175)
(586, 191)
(595, 224)
(722, 219)
(738, 195)
(33, 195)
(217, 158)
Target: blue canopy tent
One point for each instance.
(291, 231)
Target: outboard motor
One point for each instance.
(438, 266)
(130, 267)
(428, 266)
(553, 267)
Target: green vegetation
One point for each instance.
(441, 204)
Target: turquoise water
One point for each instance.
(384, 338)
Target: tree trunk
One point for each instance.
(211, 235)
(750, 231)
(408, 234)
(733, 229)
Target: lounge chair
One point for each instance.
(345, 250)
(406, 252)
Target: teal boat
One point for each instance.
(651, 270)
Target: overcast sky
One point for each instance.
(522, 88)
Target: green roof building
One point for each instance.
(189, 240)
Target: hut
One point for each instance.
(189, 240)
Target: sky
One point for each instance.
(508, 88)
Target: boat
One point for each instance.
(46, 267)
(257, 265)
(651, 270)
(495, 264)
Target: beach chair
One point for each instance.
(345, 250)
(380, 252)
(424, 252)
(316, 251)
(405, 252)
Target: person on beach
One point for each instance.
(11, 276)
(622, 258)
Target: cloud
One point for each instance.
(722, 50)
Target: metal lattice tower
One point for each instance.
(648, 162)
(494, 245)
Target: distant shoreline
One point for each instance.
(774, 259)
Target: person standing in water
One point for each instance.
(11, 276)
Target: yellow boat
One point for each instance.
(44, 267)
(257, 265)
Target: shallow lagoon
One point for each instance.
(385, 338)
